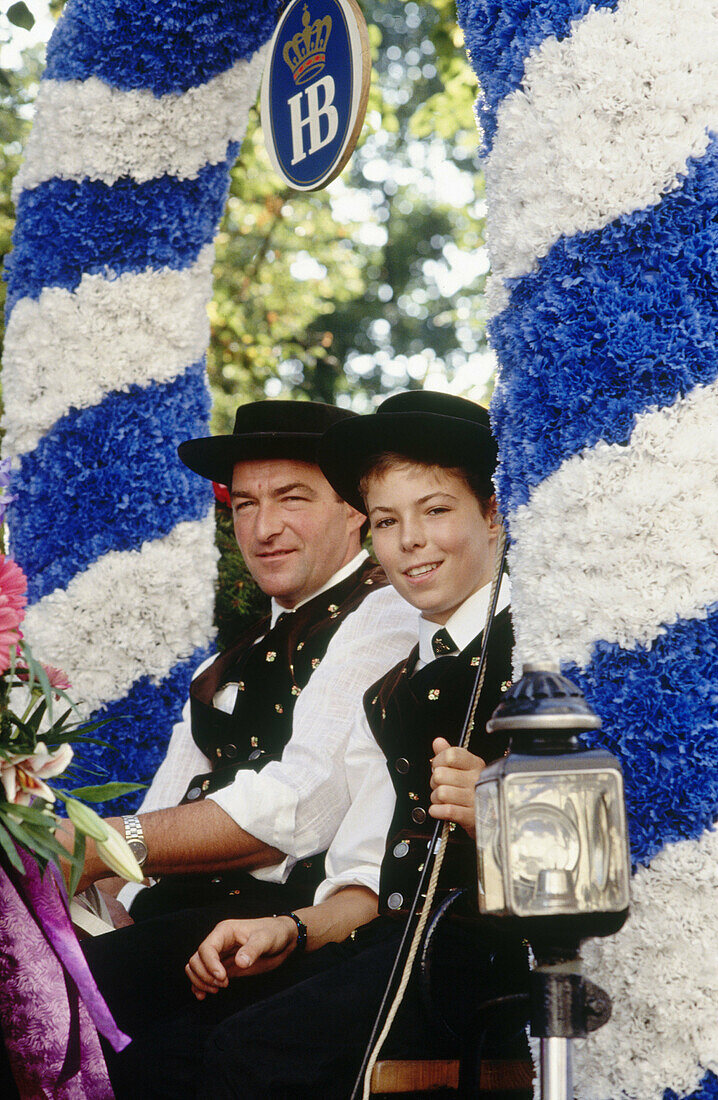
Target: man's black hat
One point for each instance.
(263, 429)
(422, 425)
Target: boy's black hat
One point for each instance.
(425, 426)
(263, 429)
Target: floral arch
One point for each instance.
(601, 143)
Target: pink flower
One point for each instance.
(13, 598)
(23, 776)
(58, 679)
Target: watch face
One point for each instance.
(139, 850)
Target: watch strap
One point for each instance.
(135, 832)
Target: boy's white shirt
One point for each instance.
(297, 804)
(355, 855)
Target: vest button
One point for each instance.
(401, 849)
(230, 750)
(395, 901)
(193, 793)
(402, 765)
(418, 815)
(256, 754)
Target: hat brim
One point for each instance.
(347, 447)
(215, 457)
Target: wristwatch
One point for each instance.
(135, 837)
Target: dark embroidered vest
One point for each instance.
(405, 713)
(270, 676)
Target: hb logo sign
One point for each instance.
(314, 91)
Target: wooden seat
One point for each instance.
(426, 1075)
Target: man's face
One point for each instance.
(431, 537)
(293, 530)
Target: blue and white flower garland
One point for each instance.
(140, 116)
(601, 139)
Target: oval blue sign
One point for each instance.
(314, 90)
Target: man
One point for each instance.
(332, 620)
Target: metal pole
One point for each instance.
(556, 1069)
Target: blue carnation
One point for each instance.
(67, 228)
(658, 705)
(109, 478)
(499, 36)
(167, 47)
(139, 727)
(613, 323)
(707, 1090)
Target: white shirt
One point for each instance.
(297, 804)
(355, 855)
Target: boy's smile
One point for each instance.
(430, 536)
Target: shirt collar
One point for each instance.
(340, 575)
(466, 622)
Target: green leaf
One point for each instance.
(78, 862)
(28, 813)
(10, 850)
(31, 841)
(20, 16)
(106, 791)
(33, 724)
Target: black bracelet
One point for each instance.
(301, 943)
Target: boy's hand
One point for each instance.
(454, 773)
(240, 947)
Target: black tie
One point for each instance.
(442, 643)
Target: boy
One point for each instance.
(422, 466)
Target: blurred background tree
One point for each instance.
(372, 285)
(375, 283)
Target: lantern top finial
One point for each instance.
(543, 700)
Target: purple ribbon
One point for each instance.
(42, 966)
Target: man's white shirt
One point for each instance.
(296, 804)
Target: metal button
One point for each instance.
(256, 754)
(230, 750)
(418, 815)
(395, 901)
(401, 849)
(194, 793)
(402, 765)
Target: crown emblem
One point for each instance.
(306, 52)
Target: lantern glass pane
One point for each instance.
(565, 847)
(488, 848)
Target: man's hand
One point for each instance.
(454, 773)
(240, 947)
(118, 914)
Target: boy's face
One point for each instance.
(430, 537)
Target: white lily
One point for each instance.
(117, 854)
(23, 775)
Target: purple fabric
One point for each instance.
(50, 1005)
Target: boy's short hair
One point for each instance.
(380, 464)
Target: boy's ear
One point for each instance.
(494, 516)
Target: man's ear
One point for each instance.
(355, 519)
